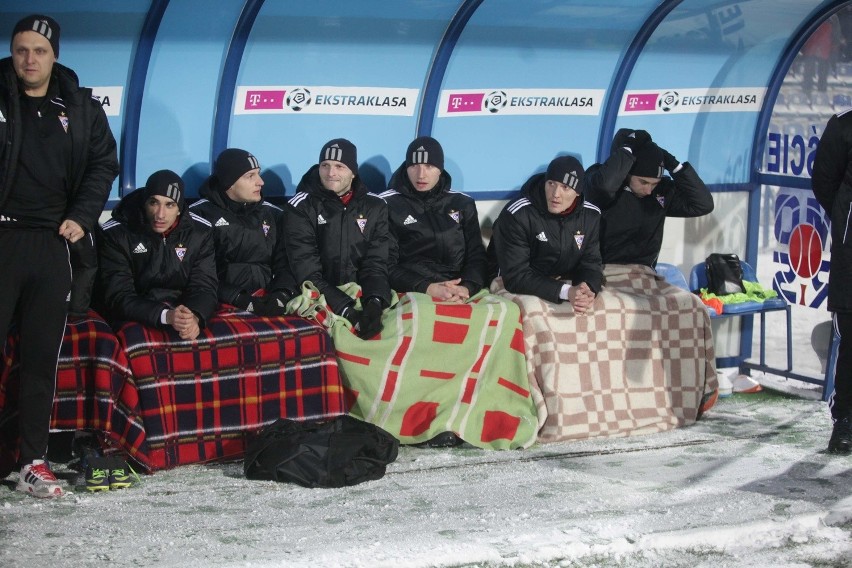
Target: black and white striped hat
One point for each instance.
(340, 150)
(165, 183)
(44, 25)
(425, 150)
(567, 170)
(231, 164)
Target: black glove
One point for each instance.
(370, 322)
(273, 304)
(242, 301)
(351, 314)
(669, 161)
(637, 140)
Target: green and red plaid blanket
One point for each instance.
(436, 367)
(94, 389)
(200, 400)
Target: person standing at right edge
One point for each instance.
(57, 164)
(832, 186)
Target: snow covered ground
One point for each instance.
(749, 485)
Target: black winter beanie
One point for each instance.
(44, 25)
(231, 165)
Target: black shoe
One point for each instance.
(841, 437)
(442, 440)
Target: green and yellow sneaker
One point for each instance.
(119, 477)
(97, 478)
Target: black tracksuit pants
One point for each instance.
(35, 279)
(841, 399)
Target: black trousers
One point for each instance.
(35, 280)
(841, 399)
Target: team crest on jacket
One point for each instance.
(63, 120)
(362, 223)
(455, 216)
(265, 226)
(578, 238)
(661, 199)
(180, 251)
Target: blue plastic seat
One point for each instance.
(698, 280)
(672, 275)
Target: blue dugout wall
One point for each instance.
(504, 85)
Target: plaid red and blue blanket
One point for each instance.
(200, 400)
(94, 389)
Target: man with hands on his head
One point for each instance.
(635, 197)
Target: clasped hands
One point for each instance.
(581, 297)
(449, 291)
(184, 321)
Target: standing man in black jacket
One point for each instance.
(337, 232)
(635, 197)
(157, 264)
(248, 236)
(546, 240)
(57, 164)
(832, 185)
(436, 247)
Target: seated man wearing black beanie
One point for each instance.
(437, 244)
(546, 240)
(337, 233)
(631, 223)
(248, 236)
(157, 266)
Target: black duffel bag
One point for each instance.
(724, 274)
(320, 453)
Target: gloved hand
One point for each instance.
(637, 140)
(370, 322)
(273, 304)
(669, 161)
(242, 301)
(351, 314)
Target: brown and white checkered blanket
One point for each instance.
(641, 362)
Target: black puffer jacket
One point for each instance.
(331, 244)
(249, 242)
(536, 250)
(142, 273)
(631, 226)
(93, 163)
(436, 236)
(832, 186)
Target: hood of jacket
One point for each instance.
(399, 182)
(210, 190)
(311, 183)
(533, 190)
(130, 211)
(64, 77)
